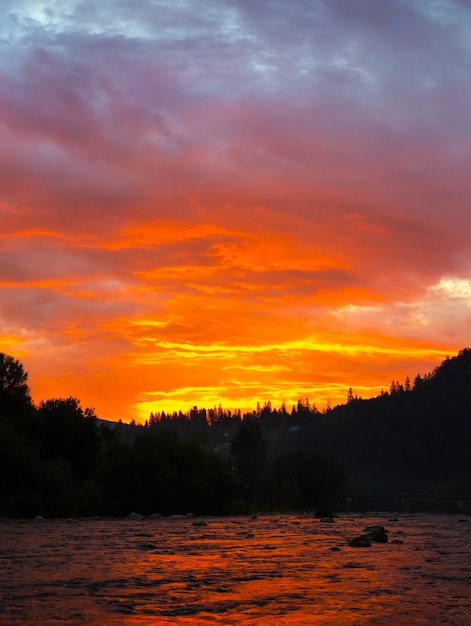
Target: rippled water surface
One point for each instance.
(275, 569)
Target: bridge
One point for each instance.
(406, 503)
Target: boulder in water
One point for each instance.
(362, 541)
(377, 534)
(135, 516)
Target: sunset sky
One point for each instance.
(233, 201)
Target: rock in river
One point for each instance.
(362, 541)
(135, 516)
(377, 534)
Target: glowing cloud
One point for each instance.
(232, 202)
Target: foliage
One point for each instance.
(15, 399)
(309, 477)
(249, 448)
(66, 431)
(163, 473)
(59, 459)
(249, 452)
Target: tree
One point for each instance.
(68, 432)
(313, 476)
(15, 398)
(249, 449)
(418, 382)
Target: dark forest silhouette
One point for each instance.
(58, 459)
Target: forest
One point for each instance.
(59, 459)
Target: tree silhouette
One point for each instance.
(350, 397)
(314, 476)
(249, 449)
(70, 433)
(15, 398)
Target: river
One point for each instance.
(273, 569)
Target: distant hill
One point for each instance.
(414, 438)
(407, 439)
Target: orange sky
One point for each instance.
(234, 202)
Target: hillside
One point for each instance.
(417, 438)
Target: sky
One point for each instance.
(233, 201)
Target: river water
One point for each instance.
(275, 569)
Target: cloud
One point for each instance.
(445, 305)
(186, 186)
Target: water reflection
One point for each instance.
(280, 569)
